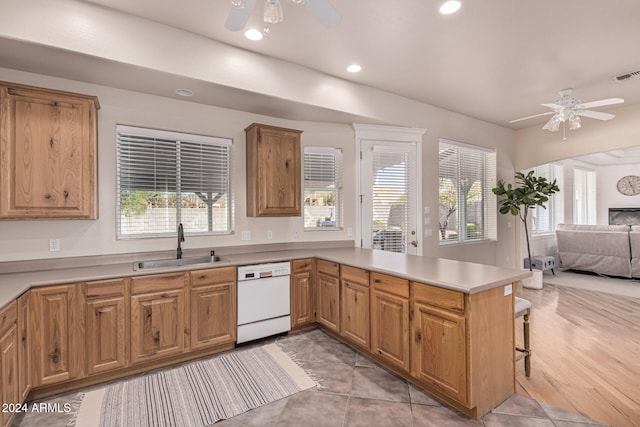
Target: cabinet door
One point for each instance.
(56, 329)
(329, 301)
(355, 313)
(105, 334)
(157, 325)
(48, 154)
(438, 350)
(213, 315)
(301, 299)
(9, 392)
(273, 171)
(24, 347)
(390, 328)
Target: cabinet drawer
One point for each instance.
(104, 288)
(390, 284)
(8, 316)
(354, 274)
(213, 276)
(157, 282)
(301, 265)
(433, 295)
(328, 267)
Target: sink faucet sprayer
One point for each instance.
(180, 239)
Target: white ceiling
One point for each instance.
(495, 60)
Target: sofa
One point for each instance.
(612, 250)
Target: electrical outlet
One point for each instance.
(54, 245)
(508, 290)
(269, 234)
(428, 232)
(350, 232)
(246, 235)
(296, 234)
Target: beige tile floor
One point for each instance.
(355, 391)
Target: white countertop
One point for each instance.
(456, 275)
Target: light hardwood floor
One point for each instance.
(586, 353)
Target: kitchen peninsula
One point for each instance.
(445, 325)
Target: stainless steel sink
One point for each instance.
(173, 262)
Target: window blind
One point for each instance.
(167, 178)
(467, 206)
(322, 169)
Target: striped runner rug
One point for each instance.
(197, 394)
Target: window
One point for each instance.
(584, 196)
(168, 178)
(322, 188)
(545, 220)
(467, 208)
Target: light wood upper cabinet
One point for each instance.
(273, 171)
(302, 306)
(56, 329)
(157, 316)
(106, 325)
(48, 167)
(213, 307)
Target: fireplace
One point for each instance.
(624, 216)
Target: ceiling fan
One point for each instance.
(241, 11)
(569, 108)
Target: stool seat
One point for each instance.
(522, 305)
(522, 308)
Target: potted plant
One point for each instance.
(530, 191)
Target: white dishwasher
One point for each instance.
(264, 304)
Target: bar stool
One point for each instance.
(523, 309)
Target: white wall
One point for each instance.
(23, 240)
(607, 194)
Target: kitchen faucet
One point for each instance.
(180, 239)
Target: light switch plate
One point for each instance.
(246, 235)
(54, 245)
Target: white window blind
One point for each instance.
(166, 178)
(584, 196)
(545, 220)
(322, 188)
(391, 195)
(467, 206)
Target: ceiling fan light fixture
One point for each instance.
(273, 12)
(553, 125)
(574, 122)
(450, 6)
(253, 34)
(297, 2)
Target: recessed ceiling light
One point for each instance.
(184, 92)
(450, 6)
(253, 34)
(354, 68)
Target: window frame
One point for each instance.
(488, 208)
(180, 139)
(338, 183)
(590, 197)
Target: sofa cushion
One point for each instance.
(586, 227)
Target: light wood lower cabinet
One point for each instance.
(354, 305)
(328, 309)
(157, 316)
(9, 381)
(302, 307)
(57, 334)
(106, 314)
(390, 319)
(24, 347)
(213, 307)
(439, 350)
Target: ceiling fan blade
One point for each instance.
(531, 117)
(324, 12)
(238, 17)
(553, 106)
(601, 103)
(595, 115)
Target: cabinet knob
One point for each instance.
(418, 335)
(55, 356)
